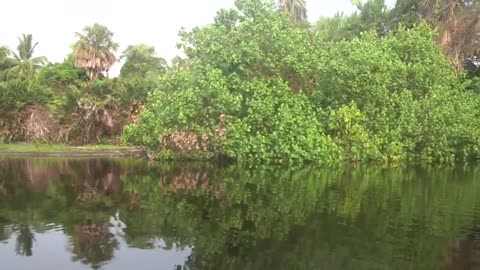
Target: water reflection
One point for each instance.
(204, 217)
(93, 243)
(465, 253)
(25, 240)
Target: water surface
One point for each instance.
(60, 214)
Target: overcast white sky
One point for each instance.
(156, 22)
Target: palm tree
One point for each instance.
(23, 62)
(95, 50)
(297, 9)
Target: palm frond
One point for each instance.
(23, 63)
(297, 9)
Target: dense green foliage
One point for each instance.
(140, 60)
(261, 88)
(260, 84)
(61, 100)
(372, 15)
(60, 103)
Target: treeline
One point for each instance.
(74, 101)
(261, 87)
(261, 84)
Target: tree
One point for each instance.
(336, 28)
(457, 22)
(25, 239)
(247, 71)
(372, 15)
(95, 50)
(23, 62)
(61, 76)
(4, 52)
(141, 59)
(5, 62)
(297, 9)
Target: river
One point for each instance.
(123, 214)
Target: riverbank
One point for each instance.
(60, 150)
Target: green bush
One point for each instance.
(400, 97)
(237, 93)
(17, 94)
(263, 89)
(279, 126)
(83, 111)
(61, 76)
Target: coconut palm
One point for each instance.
(23, 62)
(95, 50)
(297, 9)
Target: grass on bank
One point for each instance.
(50, 148)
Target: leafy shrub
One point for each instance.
(279, 126)
(61, 76)
(404, 94)
(17, 94)
(237, 92)
(263, 89)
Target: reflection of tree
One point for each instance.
(5, 231)
(46, 190)
(93, 244)
(25, 241)
(3, 190)
(465, 254)
(274, 218)
(262, 218)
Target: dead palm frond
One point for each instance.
(457, 21)
(297, 9)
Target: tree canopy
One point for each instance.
(141, 59)
(261, 88)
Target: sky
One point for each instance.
(54, 22)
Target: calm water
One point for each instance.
(61, 214)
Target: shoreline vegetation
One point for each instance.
(262, 85)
